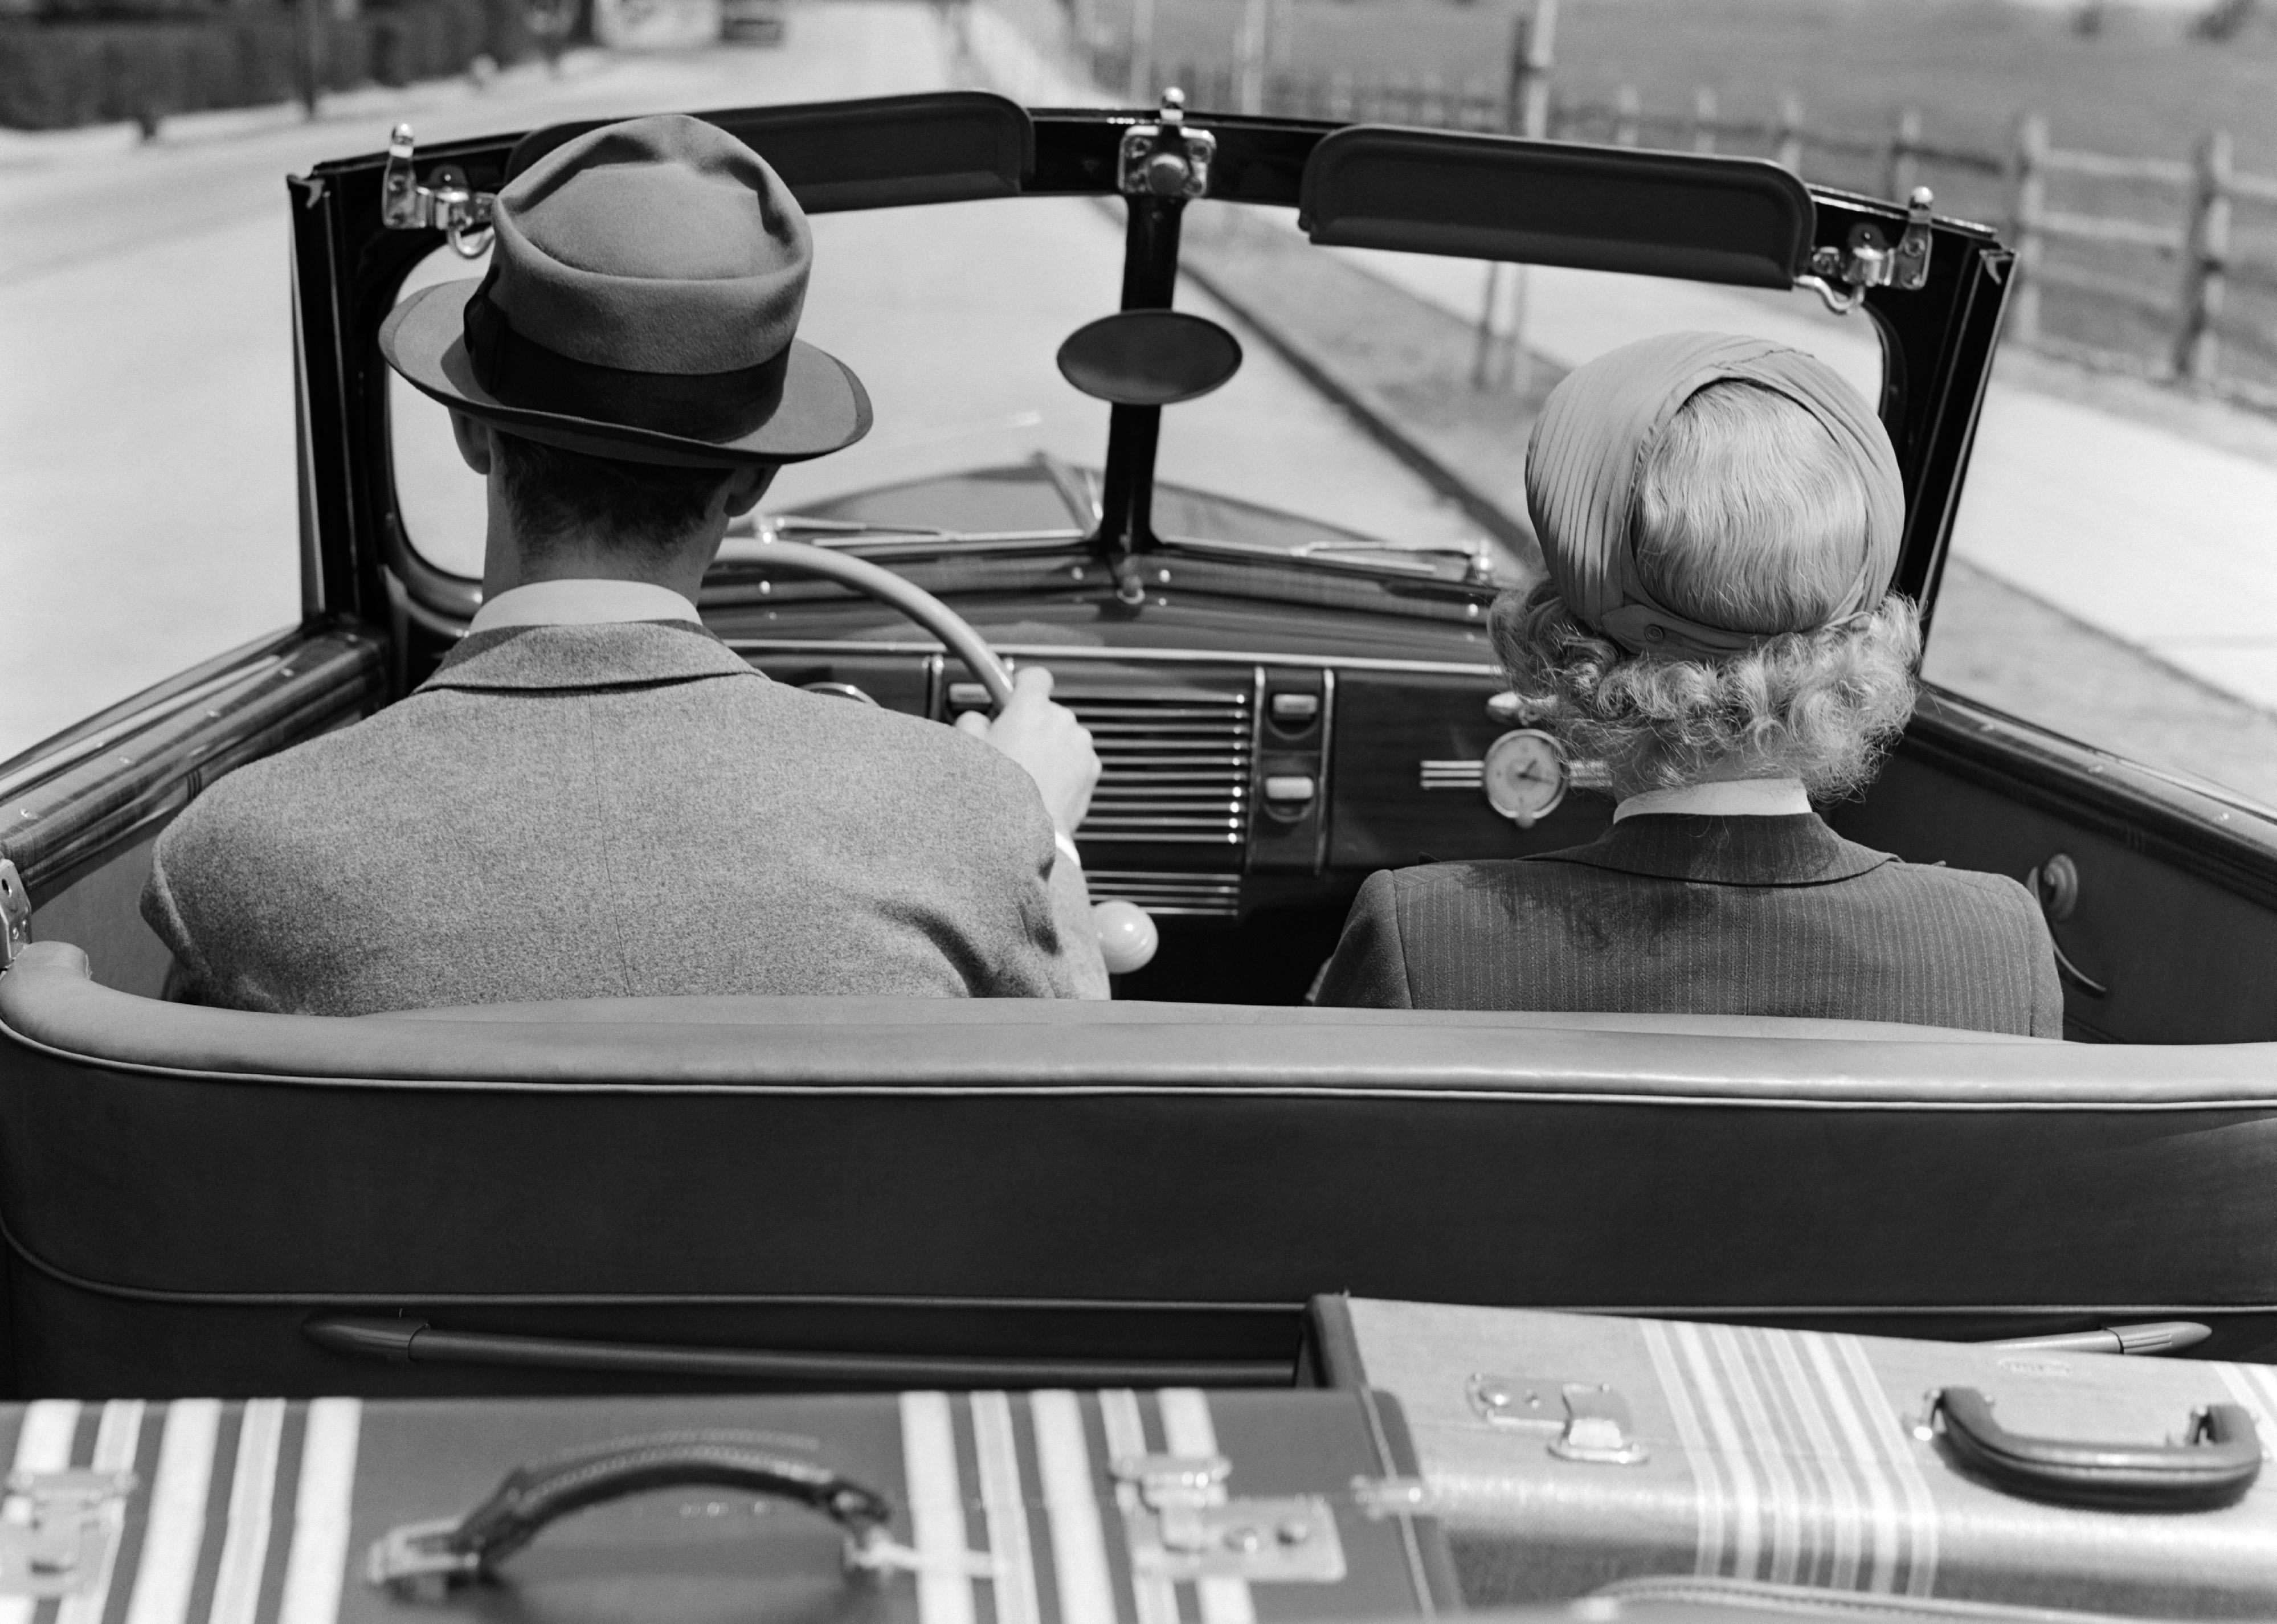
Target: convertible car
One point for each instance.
(1269, 606)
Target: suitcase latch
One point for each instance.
(1589, 1419)
(58, 1530)
(1182, 1524)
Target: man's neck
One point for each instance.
(507, 564)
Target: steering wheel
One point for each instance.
(954, 630)
(1127, 937)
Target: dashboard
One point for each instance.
(1247, 791)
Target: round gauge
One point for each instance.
(1524, 776)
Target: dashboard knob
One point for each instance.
(1127, 937)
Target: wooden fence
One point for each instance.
(2207, 321)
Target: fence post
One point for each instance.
(1789, 154)
(1249, 58)
(1628, 105)
(306, 49)
(1704, 119)
(1902, 171)
(2206, 261)
(2028, 194)
(1141, 88)
(1533, 51)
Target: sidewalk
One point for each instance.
(2161, 542)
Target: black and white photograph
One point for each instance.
(1138, 811)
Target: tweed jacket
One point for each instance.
(570, 811)
(1685, 914)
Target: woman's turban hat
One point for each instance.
(1594, 440)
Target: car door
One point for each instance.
(79, 813)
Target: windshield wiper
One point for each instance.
(1479, 558)
(747, 538)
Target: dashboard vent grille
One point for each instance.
(1216, 896)
(1175, 766)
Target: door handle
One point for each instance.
(2056, 883)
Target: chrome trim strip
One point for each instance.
(1191, 657)
(1327, 769)
(96, 744)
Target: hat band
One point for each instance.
(717, 407)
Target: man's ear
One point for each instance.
(474, 437)
(746, 486)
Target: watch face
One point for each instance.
(1524, 776)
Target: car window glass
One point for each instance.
(1396, 339)
(952, 315)
(439, 500)
(2111, 577)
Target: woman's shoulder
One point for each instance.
(1971, 894)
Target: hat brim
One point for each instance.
(824, 407)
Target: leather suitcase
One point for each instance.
(1114, 1507)
(1562, 1452)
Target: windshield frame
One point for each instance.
(1937, 341)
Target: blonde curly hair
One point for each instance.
(1746, 518)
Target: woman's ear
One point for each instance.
(474, 437)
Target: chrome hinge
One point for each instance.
(1589, 1421)
(15, 914)
(1841, 276)
(59, 1530)
(1168, 159)
(1182, 1524)
(447, 203)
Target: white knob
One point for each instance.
(1127, 937)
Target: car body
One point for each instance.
(862, 1190)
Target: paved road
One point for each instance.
(147, 500)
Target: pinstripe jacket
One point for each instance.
(1683, 914)
(613, 810)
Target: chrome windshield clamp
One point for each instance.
(1168, 158)
(447, 203)
(15, 914)
(1841, 276)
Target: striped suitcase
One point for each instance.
(1562, 1452)
(983, 1508)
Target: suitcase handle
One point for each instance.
(2216, 1463)
(420, 1560)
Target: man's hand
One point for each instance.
(1046, 739)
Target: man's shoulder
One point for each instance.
(892, 752)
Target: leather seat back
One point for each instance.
(876, 1173)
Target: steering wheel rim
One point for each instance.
(955, 633)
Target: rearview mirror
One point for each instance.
(1149, 357)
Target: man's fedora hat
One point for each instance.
(644, 284)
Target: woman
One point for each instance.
(1720, 517)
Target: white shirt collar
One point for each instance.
(582, 603)
(1730, 798)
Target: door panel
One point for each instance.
(80, 813)
(2175, 915)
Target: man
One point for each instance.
(593, 796)
(1721, 518)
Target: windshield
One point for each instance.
(1370, 415)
